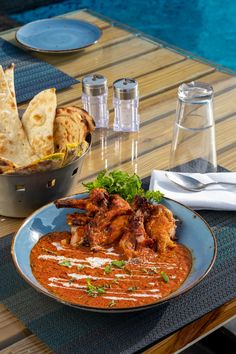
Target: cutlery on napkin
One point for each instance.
(215, 197)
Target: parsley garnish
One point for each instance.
(154, 270)
(65, 263)
(118, 264)
(132, 288)
(127, 186)
(165, 277)
(80, 267)
(94, 291)
(112, 303)
(107, 269)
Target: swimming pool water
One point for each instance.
(204, 27)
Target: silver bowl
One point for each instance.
(20, 195)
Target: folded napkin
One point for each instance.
(215, 197)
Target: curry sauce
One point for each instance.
(105, 278)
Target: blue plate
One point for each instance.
(57, 35)
(193, 232)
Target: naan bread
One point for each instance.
(73, 151)
(38, 122)
(9, 75)
(48, 163)
(6, 165)
(14, 145)
(71, 126)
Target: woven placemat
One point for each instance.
(67, 330)
(32, 75)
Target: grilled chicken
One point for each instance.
(97, 199)
(107, 225)
(161, 227)
(139, 228)
(135, 237)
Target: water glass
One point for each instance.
(193, 146)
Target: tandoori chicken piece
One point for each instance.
(98, 238)
(98, 198)
(78, 219)
(135, 237)
(116, 228)
(77, 236)
(161, 227)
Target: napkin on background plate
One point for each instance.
(215, 197)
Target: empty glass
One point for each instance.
(193, 146)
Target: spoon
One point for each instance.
(190, 183)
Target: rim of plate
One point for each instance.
(54, 51)
(171, 296)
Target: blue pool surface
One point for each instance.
(206, 28)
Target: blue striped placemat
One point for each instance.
(32, 75)
(71, 331)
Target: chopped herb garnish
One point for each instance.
(107, 269)
(94, 291)
(65, 263)
(165, 277)
(80, 267)
(132, 288)
(127, 186)
(118, 264)
(112, 303)
(154, 270)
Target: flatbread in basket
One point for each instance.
(46, 137)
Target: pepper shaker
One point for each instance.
(125, 102)
(94, 98)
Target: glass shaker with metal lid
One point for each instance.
(125, 102)
(94, 98)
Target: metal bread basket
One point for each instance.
(20, 195)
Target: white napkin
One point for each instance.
(215, 197)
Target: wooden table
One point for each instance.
(159, 69)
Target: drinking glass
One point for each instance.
(193, 146)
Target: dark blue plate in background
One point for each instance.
(57, 35)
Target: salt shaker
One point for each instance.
(125, 102)
(94, 98)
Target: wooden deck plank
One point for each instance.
(11, 329)
(227, 157)
(31, 344)
(104, 57)
(86, 16)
